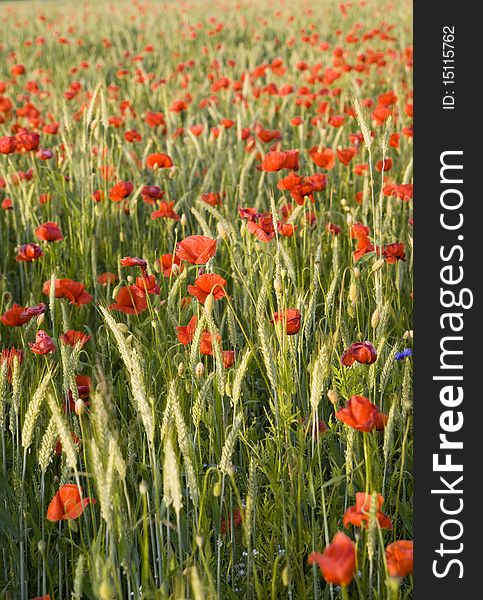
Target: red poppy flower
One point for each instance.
(206, 342)
(207, 284)
(98, 196)
(159, 160)
(212, 198)
(8, 144)
(49, 232)
(151, 193)
(67, 288)
(384, 165)
(132, 261)
(228, 358)
(262, 228)
(148, 284)
(29, 253)
(43, 343)
(333, 229)
(286, 229)
(291, 318)
(72, 337)
(359, 514)
(275, 161)
(323, 158)
(130, 300)
(170, 265)
(8, 355)
(338, 561)
(359, 413)
(67, 503)
(236, 517)
(381, 420)
(186, 332)
(345, 155)
(17, 315)
(394, 252)
(7, 203)
(121, 190)
(107, 277)
(196, 249)
(165, 210)
(361, 352)
(403, 191)
(399, 557)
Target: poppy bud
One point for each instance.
(350, 220)
(183, 220)
(130, 279)
(79, 407)
(285, 576)
(357, 272)
(228, 390)
(143, 487)
(221, 231)
(105, 591)
(375, 318)
(217, 489)
(181, 369)
(209, 302)
(121, 236)
(40, 319)
(41, 546)
(333, 397)
(199, 541)
(353, 292)
(200, 369)
(408, 334)
(377, 265)
(343, 202)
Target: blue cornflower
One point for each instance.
(404, 354)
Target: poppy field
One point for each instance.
(206, 300)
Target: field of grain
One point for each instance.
(206, 300)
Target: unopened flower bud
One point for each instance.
(79, 407)
(343, 202)
(200, 369)
(357, 272)
(333, 397)
(106, 591)
(408, 334)
(217, 489)
(209, 302)
(353, 292)
(221, 230)
(40, 319)
(183, 220)
(181, 369)
(378, 264)
(143, 487)
(375, 318)
(349, 220)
